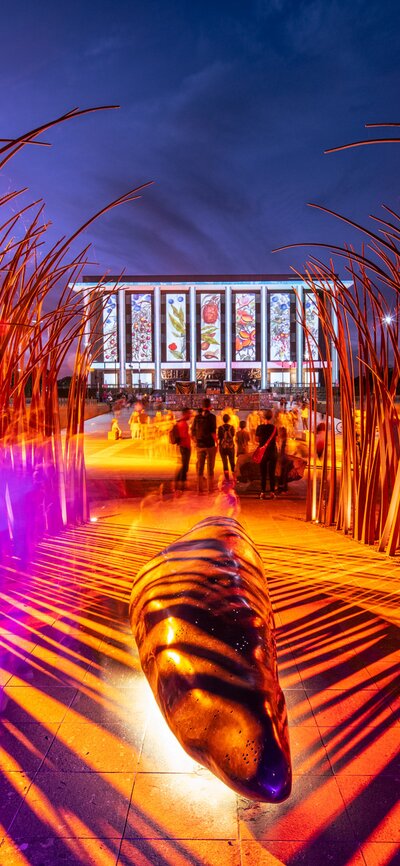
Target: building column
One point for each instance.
(264, 325)
(122, 338)
(192, 332)
(86, 336)
(299, 335)
(228, 333)
(157, 337)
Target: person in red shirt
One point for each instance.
(184, 443)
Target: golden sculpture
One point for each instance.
(203, 623)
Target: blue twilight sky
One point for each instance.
(227, 106)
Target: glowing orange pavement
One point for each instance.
(91, 774)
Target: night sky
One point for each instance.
(226, 106)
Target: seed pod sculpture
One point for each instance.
(203, 623)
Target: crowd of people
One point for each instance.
(277, 434)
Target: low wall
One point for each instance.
(92, 409)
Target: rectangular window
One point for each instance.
(175, 312)
(141, 327)
(245, 326)
(210, 323)
(312, 326)
(279, 317)
(110, 330)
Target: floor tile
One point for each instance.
(13, 789)
(313, 853)
(86, 805)
(308, 751)
(22, 704)
(51, 851)
(299, 709)
(381, 854)
(373, 806)
(343, 673)
(85, 746)
(361, 751)
(110, 707)
(362, 707)
(49, 668)
(24, 748)
(385, 670)
(171, 805)
(289, 676)
(179, 852)
(315, 808)
(121, 673)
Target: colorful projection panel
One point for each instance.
(279, 313)
(311, 316)
(176, 327)
(110, 329)
(210, 327)
(245, 322)
(141, 327)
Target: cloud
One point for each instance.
(228, 111)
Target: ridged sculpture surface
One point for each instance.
(203, 623)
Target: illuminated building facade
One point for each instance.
(156, 329)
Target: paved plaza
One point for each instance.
(90, 772)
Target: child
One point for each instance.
(116, 432)
(242, 448)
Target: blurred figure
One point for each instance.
(253, 420)
(234, 417)
(242, 448)
(304, 416)
(320, 437)
(115, 432)
(266, 434)
(144, 421)
(134, 424)
(293, 418)
(283, 462)
(184, 445)
(226, 441)
(226, 502)
(282, 419)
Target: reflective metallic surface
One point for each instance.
(203, 623)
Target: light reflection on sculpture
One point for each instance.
(203, 623)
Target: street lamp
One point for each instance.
(387, 320)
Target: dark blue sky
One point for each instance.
(227, 106)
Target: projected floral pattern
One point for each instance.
(141, 327)
(311, 314)
(110, 333)
(210, 327)
(280, 327)
(176, 327)
(245, 321)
